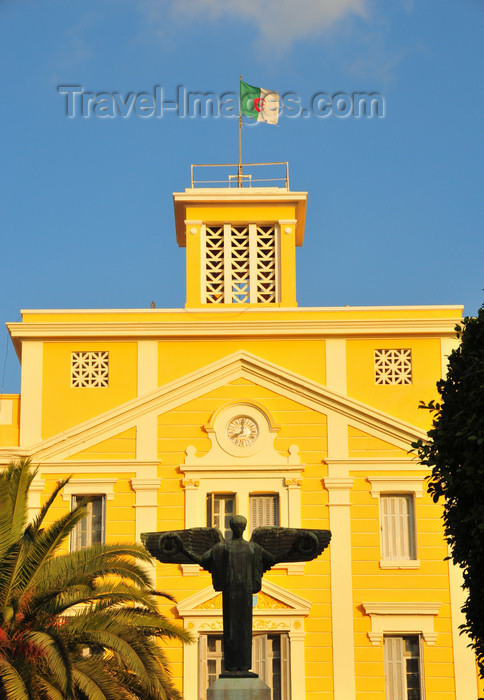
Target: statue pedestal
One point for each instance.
(238, 689)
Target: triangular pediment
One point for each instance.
(272, 599)
(239, 365)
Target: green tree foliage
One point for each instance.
(455, 454)
(80, 626)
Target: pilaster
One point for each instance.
(31, 393)
(341, 586)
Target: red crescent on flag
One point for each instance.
(259, 104)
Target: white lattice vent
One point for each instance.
(214, 265)
(90, 369)
(393, 366)
(266, 264)
(241, 264)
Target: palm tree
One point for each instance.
(78, 626)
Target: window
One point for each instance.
(263, 510)
(393, 366)
(240, 264)
(90, 369)
(397, 527)
(402, 668)
(220, 508)
(90, 530)
(270, 660)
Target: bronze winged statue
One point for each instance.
(237, 567)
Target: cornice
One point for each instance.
(234, 328)
(254, 309)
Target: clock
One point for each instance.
(242, 431)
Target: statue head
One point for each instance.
(238, 524)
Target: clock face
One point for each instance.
(242, 431)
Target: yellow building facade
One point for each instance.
(244, 402)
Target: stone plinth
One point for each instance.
(238, 689)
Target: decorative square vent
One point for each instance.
(393, 366)
(90, 369)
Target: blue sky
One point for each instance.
(395, 204)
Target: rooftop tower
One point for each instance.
(240, 236)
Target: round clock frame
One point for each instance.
(242, 431)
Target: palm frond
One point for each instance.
(87, 680)
(119, 560)
(6, 537)
(109, 639)
(49, 691)
(34, 526)
(130, 617)
(44, 547)
(19, 476)
(57, 608)
(54, 655)
(12, 686)
(9, 566)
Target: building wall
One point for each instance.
(333, 442)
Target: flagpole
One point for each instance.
(239, 171)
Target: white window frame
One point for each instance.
(221, 516)
(87, 521)
(91, 487)
(409, 486)
(262, 661)
(394, 618)
(395, 669)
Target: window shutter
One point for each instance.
(259, 656)
(397, 527)
(394, 678)
(209, 509)
(264, 510)
(285, 668)
(202, 665)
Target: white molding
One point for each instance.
(297, 604)
(36, 490)
(260, 452)
(446, 347)
(339, 489)
(344, 677)
(400, 564)
(465, 675)
(457, 308)
(146, 491)
(396, 484)
(237, 365)
(341, 467)
(146, 468)
(91, 486)
(310, 328)
(31, 392)
(402, 618)
(336, 379)
(147, 366)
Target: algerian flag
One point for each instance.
(258, 103)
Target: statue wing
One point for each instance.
(175, 546)
(291, 544)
